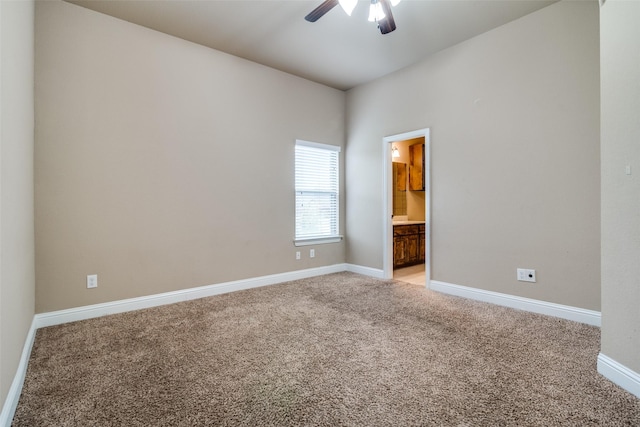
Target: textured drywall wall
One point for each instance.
(620, 44)
(514, 120)
(161, 164)
(17, 277)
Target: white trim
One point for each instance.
(367, 271)
(97, 310)
(317, 240)
(576, 314)
(318, 145)
(427, 207)
(13, 396)
(609, 368)
(387, 196)
(619, 374)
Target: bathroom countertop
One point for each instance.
(407, 222)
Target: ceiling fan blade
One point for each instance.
(319, 11)
(387, 24)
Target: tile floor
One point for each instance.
(414, 274)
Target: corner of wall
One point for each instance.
(17, 267)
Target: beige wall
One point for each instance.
(162, 164)
(514, 119)
(16, 185)
(620, 85)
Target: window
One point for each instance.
(317, 196)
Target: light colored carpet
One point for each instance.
(341, 349)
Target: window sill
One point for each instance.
(317, 241)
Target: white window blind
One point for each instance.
(317, 195)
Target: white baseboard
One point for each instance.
(13, 396)
(97, 310)
(576, 314)
(619, 374)
(131, 304)
(367, 271)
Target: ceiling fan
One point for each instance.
(379, 11)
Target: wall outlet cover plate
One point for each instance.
(526, 275)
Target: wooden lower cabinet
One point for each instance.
(408, 245)
(422, 244)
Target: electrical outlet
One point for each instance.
(526, 275)
(297, 254)
(92, 281)
(312, 253)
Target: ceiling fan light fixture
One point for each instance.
(375, 11)
(379, 12)
(348, 6)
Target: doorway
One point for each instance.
(406, 224)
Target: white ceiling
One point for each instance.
(337, 50)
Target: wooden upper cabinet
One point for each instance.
(416, 167)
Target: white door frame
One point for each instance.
(387, 239)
